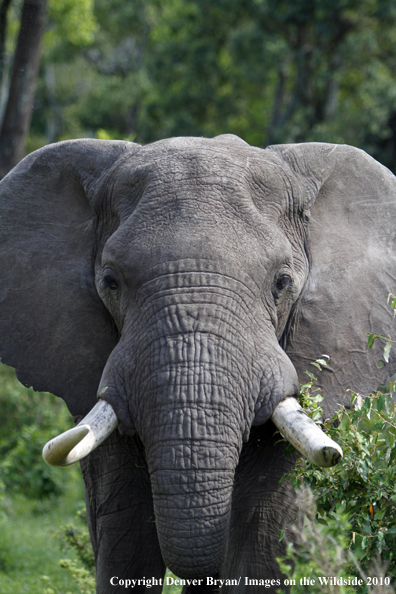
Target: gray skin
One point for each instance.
(191, 282)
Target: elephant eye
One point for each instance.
(282, 283)
(109, 282)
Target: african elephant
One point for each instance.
(188, 284)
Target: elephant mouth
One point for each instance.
(293, 423)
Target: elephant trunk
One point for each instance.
(192, 421)
(192, 511)
(192, 480)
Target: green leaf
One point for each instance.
(363, 484)
(381, 402)
(316, 365)
(311, 375)
(380, 514)
(391, 530)
(366, 405)
(370, 341)
(281, 535)
(322, 362)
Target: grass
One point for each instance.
(30, 545)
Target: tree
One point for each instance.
(16, 122)
(267, 70)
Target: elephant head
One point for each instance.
(188, 284)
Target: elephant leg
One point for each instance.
(121, 516)
(261, 508)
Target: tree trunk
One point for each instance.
(19, 108)
(5, 5)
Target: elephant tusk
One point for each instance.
(78, 442)
(304, 434)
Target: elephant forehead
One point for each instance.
(211, 198)
(194, 176)
(200, 201)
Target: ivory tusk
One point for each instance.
(304, 434)
(78, 442)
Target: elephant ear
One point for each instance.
(54, 328)
(350, 200)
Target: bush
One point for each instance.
(23, 470)
(363, 483)
(27, 422)
(322, 551)
(75, 537)
(323, 562)
(23, 407)
(355, 501)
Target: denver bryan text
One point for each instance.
(169, 580)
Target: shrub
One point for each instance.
(24, 471)
(26, 424)
(75, 537)
(323, 562)
(364, 481)
(23, 407)
(355, 501)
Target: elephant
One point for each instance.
(173, 295)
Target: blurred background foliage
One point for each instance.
(27, 421)
(268, 70)
(35, 500)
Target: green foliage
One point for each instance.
(310, 397)
(72, 21)
(387, 339)
(349, 525)
(76, 536)
(27, 422)
(171, 588)
(22, 470)
(267, 70)
(29, 543)
(363, 483)
(84, 579)
(323, 549)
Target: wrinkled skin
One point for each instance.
(191, 282)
